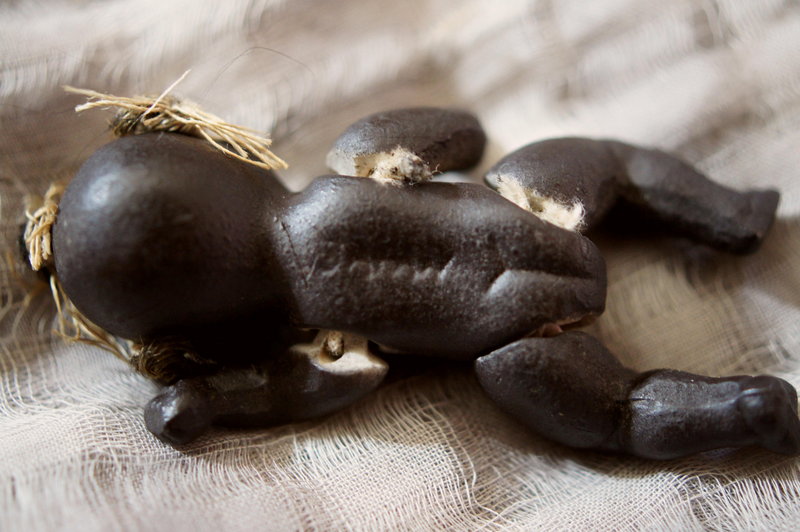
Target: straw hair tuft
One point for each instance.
(144, 114)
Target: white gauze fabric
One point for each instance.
(714, 81)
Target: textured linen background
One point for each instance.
(715, 81)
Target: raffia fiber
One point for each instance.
(170, 114)
(41, 215)
(715, 81)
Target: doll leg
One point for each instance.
(578, 181)
(571, 389)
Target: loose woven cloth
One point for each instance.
(717, 82)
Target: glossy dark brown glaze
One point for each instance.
(445, 139)
(160, 232)
(579, 387)
(572, 389)
(436, 268)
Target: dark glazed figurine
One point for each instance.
(159, 237)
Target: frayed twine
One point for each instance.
(40, 214)
(73, 326)
(167, 113)
(169, 360)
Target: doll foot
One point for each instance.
(178, 415)
(769, 408)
